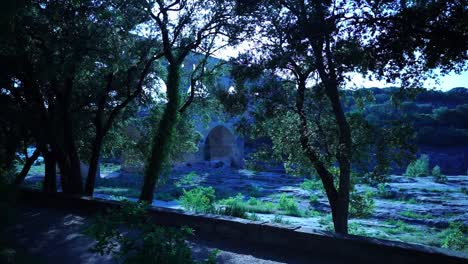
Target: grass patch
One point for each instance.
(398, 227)
(278, 219)
(414, 215)
(253, 205)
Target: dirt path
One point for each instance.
(54, 236)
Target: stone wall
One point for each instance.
(353, 249)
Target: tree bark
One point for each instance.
(50, 178)
(27, 166)
(162, 140)
(93, 164)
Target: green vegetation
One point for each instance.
(253, 205)
(312, 185)
(254, 191)
(384, 191)
(419, 167)
(189, 180)
(289, 206)
(313, 199)
(361, 205)
(127, 192)
(280, 220)
(455, 237)
(398, 227)
(154, 244)
(414, 215)
(234, 206)
(200, 199)
(356, 229)
(438, 176)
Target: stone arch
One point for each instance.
(219, 144)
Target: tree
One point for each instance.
(313, 45)
(87, 62)
(184, 27)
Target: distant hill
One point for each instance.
(439, 118)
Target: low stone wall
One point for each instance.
(353, 248)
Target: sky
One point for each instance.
(445, 83)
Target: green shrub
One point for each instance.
(419, 167)
(311, 185)
(455, 237)
(289, 205)
(313, 199)
(235, 206)
(188, 180)
(253, 205)
(361, 205)
(384, 191)
(200, 199)
(128, 234)
(438, 176)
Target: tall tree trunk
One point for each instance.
(50, 178)
(69, 165)
(93, 164)
(162, 140)
(27, 166)
(338, 199)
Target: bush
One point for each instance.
(289, 205)
(313, 199)
(235, 206)
(310, 185)
(200, 199)
(455, 238)
(438, 176)
(419, 167)
(384, 191)
(361, 205)
(130, 237)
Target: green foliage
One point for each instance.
(188, 180)
(455, 237)
(289, 206)
(361, 205)
(313, 199)
(399, 227)
(384, 191)
(413, 215)
(438, 176)
(419, 167)
(253, 217)
(238, 206)
(254, 190)
(356, 229)
(129, 236)
(200, 199)
(280, 220)
(235, 206)
(312, 185)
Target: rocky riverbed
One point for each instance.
(410, 209)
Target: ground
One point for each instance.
(47, 235)
(409, 209)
